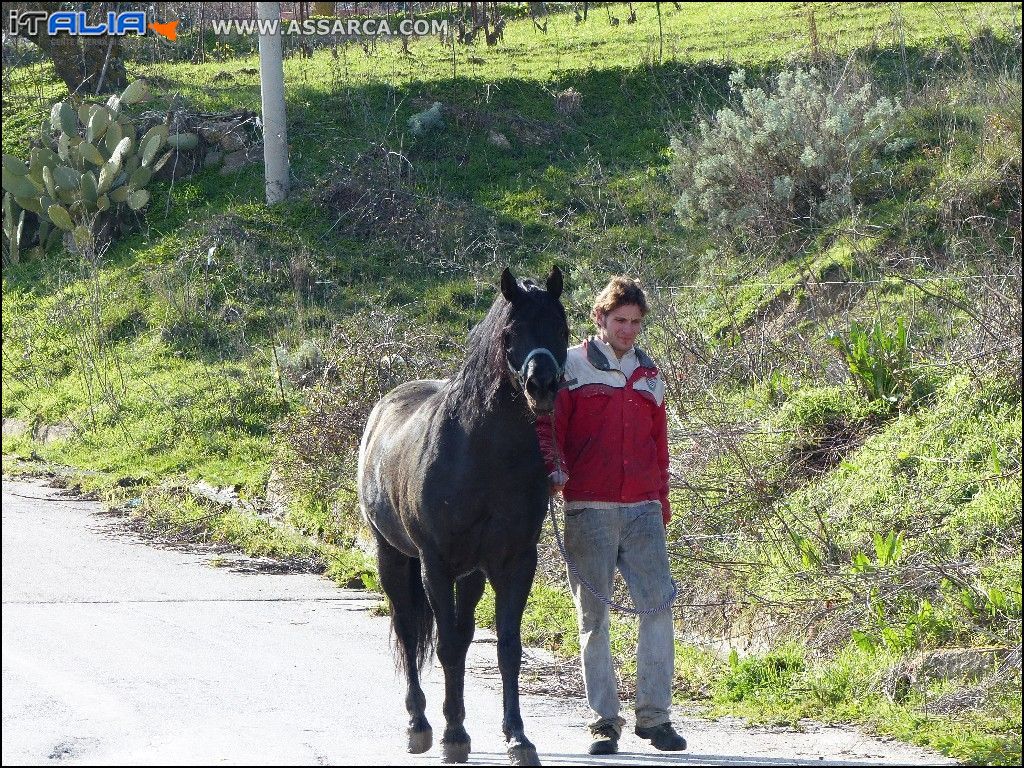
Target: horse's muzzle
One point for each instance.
(541, 408)
(541, 391)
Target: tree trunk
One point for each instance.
(64, 51)
(104, 69)
(78, 61)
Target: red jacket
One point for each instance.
(610, 433)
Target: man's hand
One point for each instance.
(558, 480)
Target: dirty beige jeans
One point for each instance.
(631, 538)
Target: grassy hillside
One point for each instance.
(844, 391)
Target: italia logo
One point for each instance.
(168, 29)
(77, 23)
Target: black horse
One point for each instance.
(452, 482)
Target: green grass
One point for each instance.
(788, 685)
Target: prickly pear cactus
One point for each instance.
(89, 174)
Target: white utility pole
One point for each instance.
(275, 129)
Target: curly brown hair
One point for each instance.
(621, 290)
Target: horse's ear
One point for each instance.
(554, 282)
(509, 287)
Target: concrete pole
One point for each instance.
(275, 130)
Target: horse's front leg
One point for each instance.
(453, 641)
(511, 589)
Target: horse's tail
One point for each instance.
(412, 620)
(422, 616)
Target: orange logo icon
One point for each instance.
(168, 29)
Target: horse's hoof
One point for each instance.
(420, 741)
(523, 755)
(454, 751)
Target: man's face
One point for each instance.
(619, 328)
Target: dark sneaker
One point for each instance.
(606, 741)
(663, 737)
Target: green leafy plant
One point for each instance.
(888, 549)
(809, 557)
(15, 225)
(879, 361)
(95, 177)
(773, 675)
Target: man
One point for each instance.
(607, 450)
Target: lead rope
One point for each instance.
(572, 566)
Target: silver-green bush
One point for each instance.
(777, 162)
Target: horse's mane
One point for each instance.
(476, 383)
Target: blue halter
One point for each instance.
(521, 373)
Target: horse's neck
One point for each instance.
(505, 418)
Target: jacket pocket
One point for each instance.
(592, 403)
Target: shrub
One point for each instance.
(365, 357)
(880, 362)
(300, 366)
(776, 162)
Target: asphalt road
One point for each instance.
(117, 652)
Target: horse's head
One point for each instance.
(536, 338)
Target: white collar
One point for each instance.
(606, 348)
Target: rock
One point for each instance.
(211, 133)
(182, 164)
(568, 102)
(225, 496)
(228, 134)
(232, 140)
(48, 433)
(15, 427)
(277, 496)
(498, 140)
(214, 157)
(241, 158)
